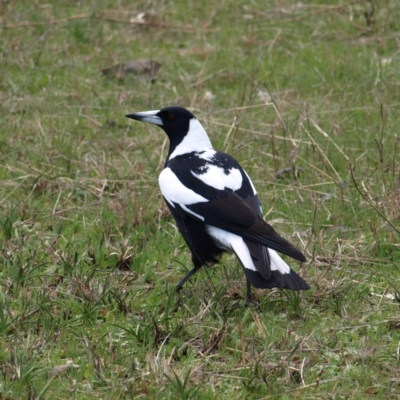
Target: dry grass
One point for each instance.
(305, 95)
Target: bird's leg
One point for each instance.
(186, 277)
(248, 294)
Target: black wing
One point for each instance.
(231, 213)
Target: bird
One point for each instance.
(216, 206)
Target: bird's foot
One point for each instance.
(251, 303)
(184, 292)
(249, 298)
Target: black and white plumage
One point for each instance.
(216, 207)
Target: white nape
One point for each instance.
(195, 140)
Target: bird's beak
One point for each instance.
(147, 116)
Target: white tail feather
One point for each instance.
(231, 242)
(277, 264)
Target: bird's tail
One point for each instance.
(266, 268)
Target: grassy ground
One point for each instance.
(90, 254)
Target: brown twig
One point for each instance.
(370, 203)
(308, 15)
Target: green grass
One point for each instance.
(90, 254)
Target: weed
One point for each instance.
(304, 94)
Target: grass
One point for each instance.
(90, 254)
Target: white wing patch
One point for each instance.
(231, 242)
(277, 264)
(218, 179)
(192, 212)
(207, 154)
(175, 191)
(251, 183)
(195, 140)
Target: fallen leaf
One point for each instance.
(60, 369)
(139, 67)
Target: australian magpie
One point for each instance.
(216, 207)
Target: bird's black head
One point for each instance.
(185, 132)
(174, 120)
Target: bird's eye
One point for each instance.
(171, 116)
